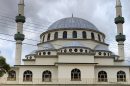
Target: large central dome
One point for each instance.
(72, 23)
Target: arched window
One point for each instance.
(104, 54)
(81, 50)
(99, 38)
(103, 39)
(75, 50)
(100, 53)
(75, 75)
(11, 75)
(49, 53)
(92, 36)
(56, 35)
(43, 38)
(74, 34)
(86, 51)
(40, 54)
(46, 76)
(70, 50)
(121, 76)
(27, 76)
(48, 37)
(108, 54)
(64, 34)
(102, 76)
(84, 35)
(44, 53)
(65, 50)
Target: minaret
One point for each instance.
(19, 36)
(120, 38)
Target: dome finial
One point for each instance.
(72, 15)
(21, 2)
(118, 3)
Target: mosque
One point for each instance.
(72, 52)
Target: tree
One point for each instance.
(4, 67)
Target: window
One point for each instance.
(48, 37)
(64, 34)
(11, 75)
(76, 50)
(100, 53)
(46, 76)
(44, 53)
(84, 35)
(40, 54)
(70, 50)
(104, 54)
(103, 39)
(27, 76)
(74, 34)
(86, 51)
(49, 53)
(75, 75)
(65, 50)
(56, 35)
(99, 38)
(102, 76)
(30, 57)
(92, 36)
(27, 57)
(43, 38)
(81, 50)
(108, 54)
(121, 76)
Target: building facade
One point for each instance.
(71, 52)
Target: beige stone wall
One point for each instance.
(46, 61)
(104, 61)
(76, 58)
(29, 62)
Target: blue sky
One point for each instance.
(42, 13)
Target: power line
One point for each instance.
(25, 43)
(24, 27)
(15, 41)
(13, 36)
(8, 27)
(13, 19)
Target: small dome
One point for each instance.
(47, 46)
(72, 23)
(102, 47)
(33, 52)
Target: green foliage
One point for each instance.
(4, 67)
